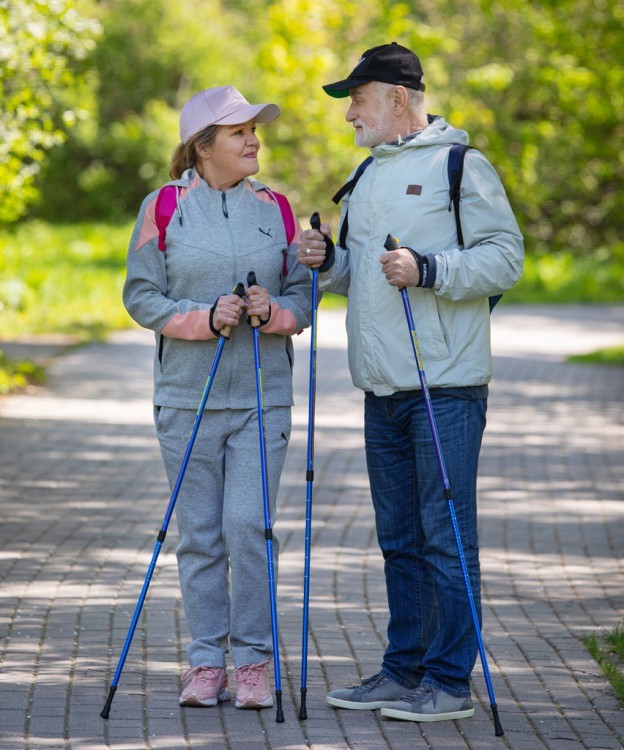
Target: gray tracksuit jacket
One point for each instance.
(405, 192)
(213, 240)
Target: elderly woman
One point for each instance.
(180, 275)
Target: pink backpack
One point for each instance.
(166, 206)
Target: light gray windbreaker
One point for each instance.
(405, 192)
(213, 240)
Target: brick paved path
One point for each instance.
(83, 495)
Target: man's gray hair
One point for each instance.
(416, 100)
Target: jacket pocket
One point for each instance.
(431, 331)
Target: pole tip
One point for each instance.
(303, 712)
(105, 712)
(279, 715)
(498, 727)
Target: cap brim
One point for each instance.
(340, 89)
(257, 112)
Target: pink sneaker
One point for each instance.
(204, 686)
(252, 686)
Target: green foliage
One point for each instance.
(62, 279)
(540, 88)
(612, 355)
(562, 277)
(17, 375)
(43, 45)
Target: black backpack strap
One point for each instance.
(457, 152)
(455, 166)
(347, 188)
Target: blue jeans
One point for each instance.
(431, 636)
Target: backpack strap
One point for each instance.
(288, 216)
(455, 167)
(165, 208)
(347, 188)
(290, 224)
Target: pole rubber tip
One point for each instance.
(105, 712)
(279, 714)
(303, 712)
(498, 727)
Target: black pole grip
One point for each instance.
(254, 320)
(315, 223)
(391, 243)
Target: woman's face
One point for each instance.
(232, 156)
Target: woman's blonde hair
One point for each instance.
(185, 155)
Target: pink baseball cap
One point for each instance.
(222, 105)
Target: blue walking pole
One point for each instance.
(391, 244)
(315, 223)
(268, 529)
(223, 337)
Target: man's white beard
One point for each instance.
(368, 137)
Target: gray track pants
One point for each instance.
(222, 555)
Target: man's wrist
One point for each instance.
(426, 269)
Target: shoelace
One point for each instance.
(420, 695)
(203, 674)
(249, 674)
(370, 683)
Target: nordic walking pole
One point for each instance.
(224, 336)
(315, 223)
(254, 321)
(391, 244)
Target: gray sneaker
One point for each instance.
(374, 692)
(427, 703)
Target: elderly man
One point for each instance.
(404, 191)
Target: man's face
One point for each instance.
(369, 114)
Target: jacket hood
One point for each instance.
(436, 133)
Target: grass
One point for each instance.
(608, 651)
(63, 279)
(612, 355)
(17, 375)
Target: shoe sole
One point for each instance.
(394, 713)
(268, 703)
(357, 706)
(193, 700)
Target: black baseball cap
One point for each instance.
(389, 63)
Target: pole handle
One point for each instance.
(315, 223)
(391, 243)
(239, 291)
(254, 320)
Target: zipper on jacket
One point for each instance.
(230, 368)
